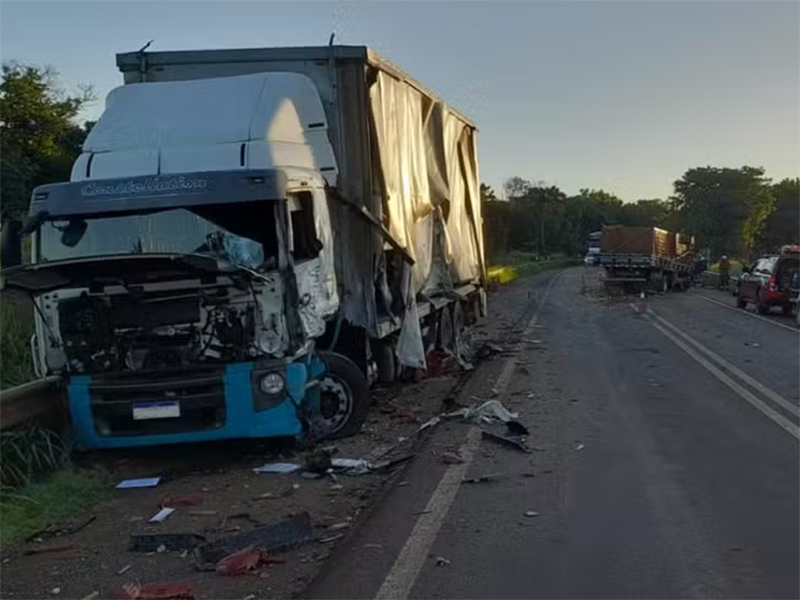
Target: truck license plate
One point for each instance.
(168, 409)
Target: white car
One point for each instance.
(590, 260)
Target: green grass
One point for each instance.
(60, 499)
(16, 328)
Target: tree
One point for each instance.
(487, 193)
(783, 225)
(38, 134)
(725, 208)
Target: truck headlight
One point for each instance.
(272, 384)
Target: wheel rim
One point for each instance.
(335, 403)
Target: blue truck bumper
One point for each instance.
(228, 406)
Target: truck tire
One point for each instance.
(385, 359)
(761, 305)
(344, 397)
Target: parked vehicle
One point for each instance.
(248, 241)
(771, 281)
(647, 256)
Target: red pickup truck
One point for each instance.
(771, 281)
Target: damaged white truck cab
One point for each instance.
(248, 240)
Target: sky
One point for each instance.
(619, 95)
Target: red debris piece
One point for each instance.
(50, 549)
(157, 591)
(244, 560)
(180, 501)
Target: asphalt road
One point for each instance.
(665, 462)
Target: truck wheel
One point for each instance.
(344, 397)
(761, 305)
(383, 353)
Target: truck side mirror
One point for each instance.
(11, 243)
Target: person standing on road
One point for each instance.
(724, 272)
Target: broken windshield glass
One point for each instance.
(242, 235)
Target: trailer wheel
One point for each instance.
(344, 397)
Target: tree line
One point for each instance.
(734, 211)
(740, 212)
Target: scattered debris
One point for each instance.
(441, 561)
(283, 468)
(488, 412)
(430, 423)
(452, 458)
(138, 483)
(161, 549)
(333, 538)
(157, 591)
(753, 344)
(337, 526)
(531, 513)
(351, 466)
(580, 446)
(319, 461)
(507, 441)
(55, 591)
(161, 515)
(171, 541)
(50, 549)
(402, 484)
(180, 501)
(290, 533)
(517, 428)
(482, 478)
(203, 513)
(124, 569)
(93, 596)
(244, 560)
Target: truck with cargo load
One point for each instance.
(249, 240)
(646, 257)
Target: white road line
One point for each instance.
(755, 384)
(414, 554)
(770, 412)
(741, 311)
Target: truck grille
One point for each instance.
(199, 394)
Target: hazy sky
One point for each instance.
(623, 96)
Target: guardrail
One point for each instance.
(40, 400)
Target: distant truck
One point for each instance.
(248, 241)
(647, 257)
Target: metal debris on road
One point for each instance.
(580, 446)
(507, 441)
(171, 541)
(124, 569)
(452, 458)
(517, 428)
(138, 483)
(430, 423)
(285, 535)
(531, 513)
(441, 561)
(161, 515)
(282, 468)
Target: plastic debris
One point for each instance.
(244, 560)
(285, 535)
(488, 412)
(430, 423)
(283, 468)
(93, 596)
(351, 466)
(161, 515)
(55, 591)
(507, 441)
(333, 538)
(441, 561)
(124, 570)
(580, 446)
(157, 591)
(531, 513)
(170, 541)
(138, 483)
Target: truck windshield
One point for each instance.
(236, 234)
